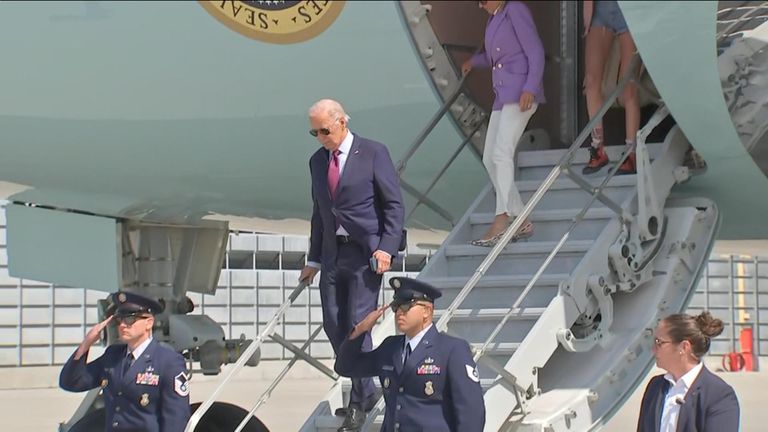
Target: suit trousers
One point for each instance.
(505, 128)
(349, 291)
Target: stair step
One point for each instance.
(494, 281)
(565, 183)
(536, 165)
(519, 248)
(498, 348)
(493, 291)
(549, 225)
(549, 215)
(517, 258)
(495, 315)
(537, 158)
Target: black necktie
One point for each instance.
(127, 363)
(407, 353)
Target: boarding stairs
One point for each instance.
(561, 323)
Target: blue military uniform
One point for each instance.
(438, 387)
(151, 396)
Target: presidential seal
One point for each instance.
(279, 22)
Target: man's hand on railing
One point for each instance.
(308, 274)
(368, 322)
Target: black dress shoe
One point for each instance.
(341, 412)
(353, 421)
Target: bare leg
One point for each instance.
(629, 95)
(598, 46)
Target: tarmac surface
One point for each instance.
(31, 402)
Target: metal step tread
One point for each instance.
(549, 215)
(496, 281)
(519, 248)
(346, 384)
(492, 314)
(565, 183)
(498, 348)
(539, 158)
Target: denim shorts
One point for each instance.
(607, 14)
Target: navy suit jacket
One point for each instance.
(368, 202)
(709, 406)
(153, 396)
(436, 390)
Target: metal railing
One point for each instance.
(422, 198)
(268, 332)
(563, 166)
(736, 25)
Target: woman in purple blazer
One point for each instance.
(514, 52)
(688, 398)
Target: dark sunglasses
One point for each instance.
(129, 320)
(321, 131)
(404, 307)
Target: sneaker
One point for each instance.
(597, 160)
(629, 166)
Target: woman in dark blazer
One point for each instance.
(688, 397)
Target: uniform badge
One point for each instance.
(147, 378)
(386, 382)
(428, 369)
(396, 284)
(472, 373)
(104, 383)
(429, 360)
(144, 400)
(121, 298)
(428, 390)
(181, 384)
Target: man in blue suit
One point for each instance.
(429, 379)
(145, 385)
(356, 228)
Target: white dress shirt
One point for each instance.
(676, 398)
(414, 341)
(140, 349)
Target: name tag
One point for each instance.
(388, 367)
(428, 369)
(148, 378)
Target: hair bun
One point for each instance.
(709, 325)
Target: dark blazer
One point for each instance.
(368, 201)
(153, 396)
(710, 405)
(437, 390)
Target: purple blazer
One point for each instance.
(368, 202)
(514, 51)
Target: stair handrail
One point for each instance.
(245, 356)
(421, 198)
(661, 113)
(564, 162)
(739, 21)
(562, 165)
(268, 392)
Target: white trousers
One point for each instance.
(504, 131)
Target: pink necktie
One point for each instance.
(333, 174)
